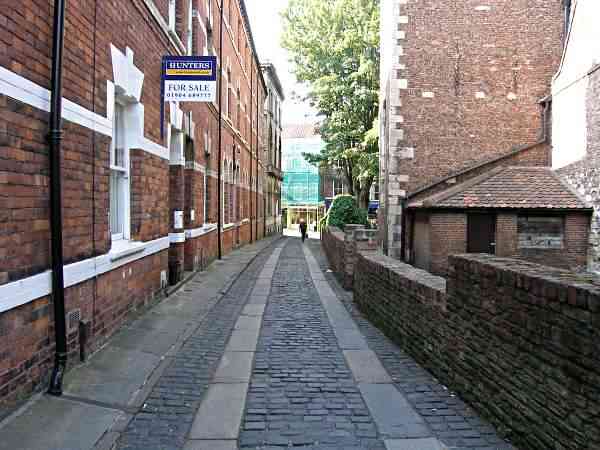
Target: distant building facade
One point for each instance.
(271, 155)
(302, 198)
(464, 91)
(576, 111)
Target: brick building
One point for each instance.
(519, 212)
(138, 210)
(465, 90)
(576, 106)
(271, 154)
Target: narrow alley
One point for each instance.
(281, 359)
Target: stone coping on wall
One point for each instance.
(516, 340)
(547, 284)
(407, 272)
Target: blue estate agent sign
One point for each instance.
(189, 78)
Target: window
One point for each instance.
(172, 15)
(338, 187)
(119, 179)
(238, 119)
(228, 88)
(540, 232)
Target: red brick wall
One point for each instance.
(507, 239)
(449, 237)
(456, 51)
(573, 256)
(200, 251)
(150, 216)
(91, 27)
(448, 233)
(27, 347)
(515, 340)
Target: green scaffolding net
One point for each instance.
(300, 188)
(301, 179)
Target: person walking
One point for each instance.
(303, 229)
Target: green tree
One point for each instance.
(334, 47)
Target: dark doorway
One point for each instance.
(481, 233)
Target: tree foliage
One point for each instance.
(334, 47)
(344, 210)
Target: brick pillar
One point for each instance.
(349, 258)
(357, 239)
(177, 231)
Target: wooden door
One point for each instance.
(481, 233)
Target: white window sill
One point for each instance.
(124, 248)
(228, 226)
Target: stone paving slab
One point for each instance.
(414, 444)
(220, 412)
(235, 367)
(242, 341)
(365, 367)
(248, 323)
(57, 424)
(113, 376)
(393, 414)
(211, 445)
(256, 310)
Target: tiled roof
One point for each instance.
(300, 131)
(508, 187)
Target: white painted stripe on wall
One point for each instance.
(155, 149)
(177, 238)
(23, 291)
(197, 232)
(15, 86)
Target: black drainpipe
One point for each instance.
(220, 168)
(251, 152)
(257, 146)
(55, 138)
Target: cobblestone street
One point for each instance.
(284, 360)
(279, 358)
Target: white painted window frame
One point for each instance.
(190, 28)
(122, 171)
(172, 15)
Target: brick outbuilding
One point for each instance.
(524, 212)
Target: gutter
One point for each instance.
(55, 137)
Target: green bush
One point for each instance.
(344, 210)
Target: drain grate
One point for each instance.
(73, 319)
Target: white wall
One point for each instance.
(570, 84)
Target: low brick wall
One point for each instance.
(332, 239)
(520, 342)
(342, 247)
